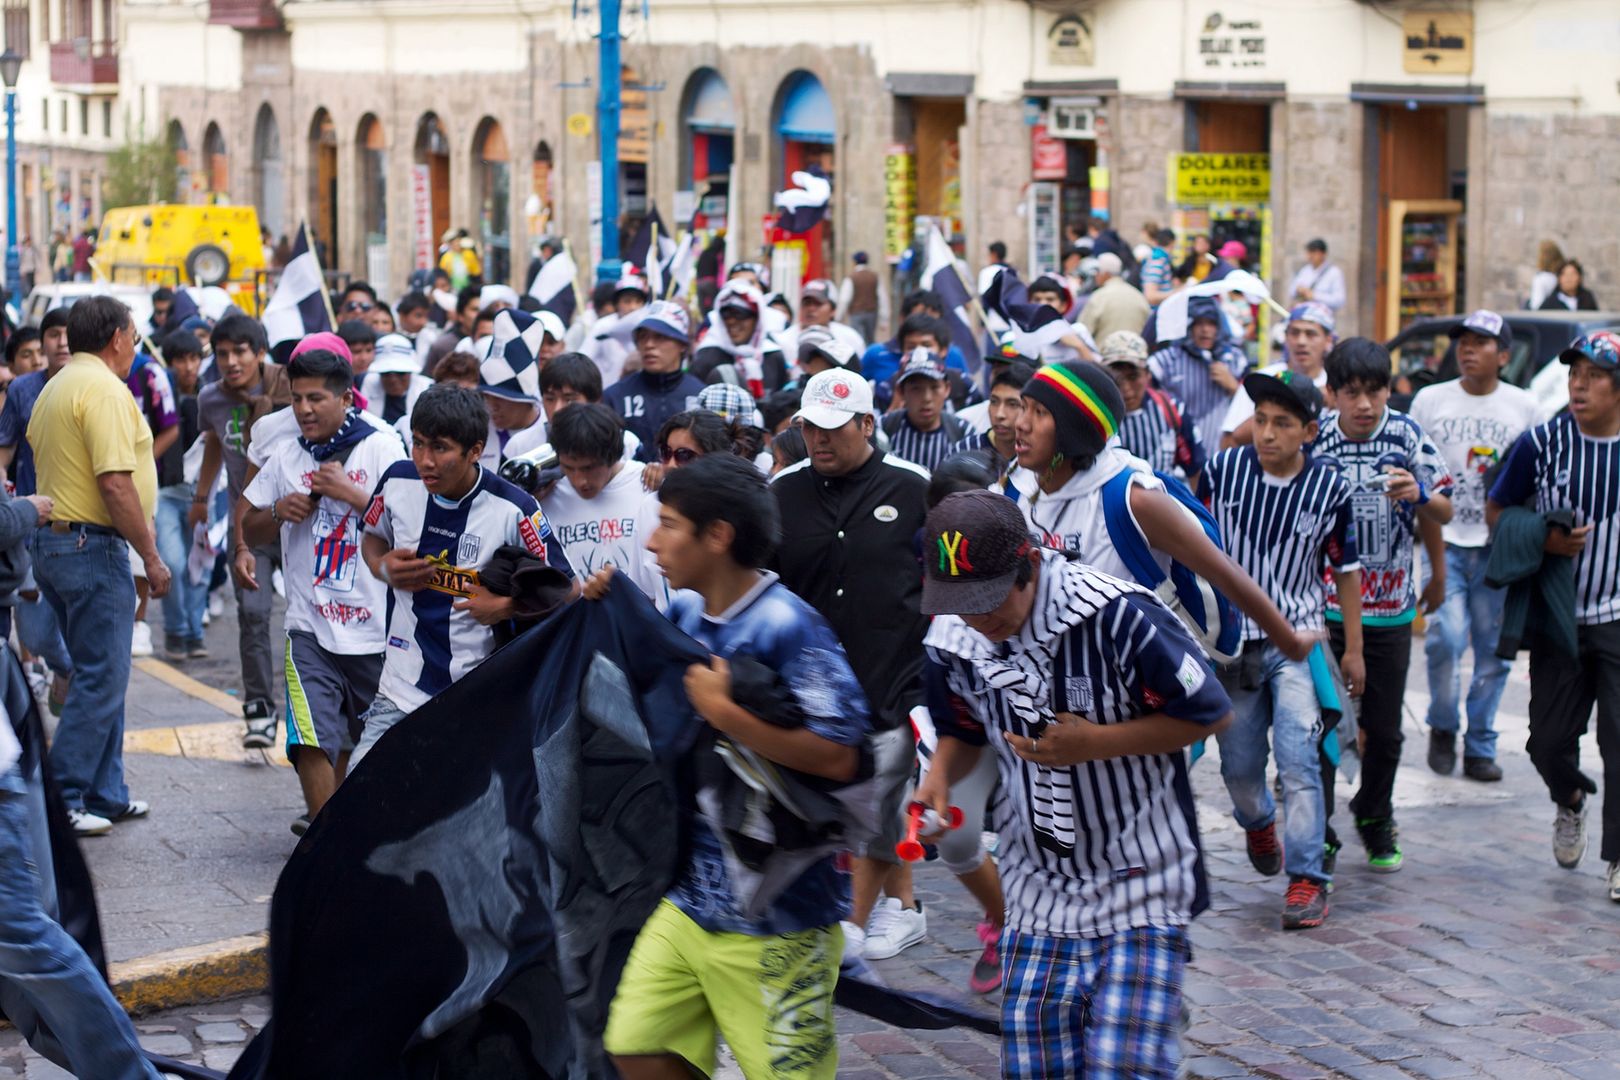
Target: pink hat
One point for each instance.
(1233, 250)
(324, 340)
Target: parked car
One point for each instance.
(1424, 353)
(56, 294)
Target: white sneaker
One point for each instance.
(141, 641)
(1614, 881)
(854, 942)
(894, 929)
(216, 604)
(1569, 836)
(87, 824)
(278, 583)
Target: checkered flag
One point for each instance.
(299, 306)
(511, 368)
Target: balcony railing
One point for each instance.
(245, 14)
(82, 62)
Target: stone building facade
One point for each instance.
(963, 88)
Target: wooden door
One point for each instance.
(1411, 165)
(1229, 127)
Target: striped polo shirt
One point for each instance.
(1384, 528)
(1184, 372)
(925, 449)
(1161, 433)
(1565, 470)
(1107, 846)
(1282, 532)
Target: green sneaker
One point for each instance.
(1378, 836)
(1330, 862)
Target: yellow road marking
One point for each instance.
(189, 686)
(221, 741)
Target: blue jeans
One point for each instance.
(184, 603)
(38, 632)
(45, 976)
(1281, 698)
(1471, 614)
(85, 577)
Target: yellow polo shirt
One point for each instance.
(86, 423)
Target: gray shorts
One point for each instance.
(894, 767)
(327, 693)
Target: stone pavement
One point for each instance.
(1480, 958)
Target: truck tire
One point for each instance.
(207, 264)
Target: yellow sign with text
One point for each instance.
(1205, 178)
(899, 200)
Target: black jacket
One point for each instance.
(714, 365)
(645, 400)
(848, 550)
(1584, 301)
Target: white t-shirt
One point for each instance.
(330, 590)
(1242, 406)
(1473, 433)
(608, 528)
(273, 429)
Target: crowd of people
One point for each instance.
(1025, 593)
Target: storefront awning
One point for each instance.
(1231, 91)
(807, 112)
(1421, 93)
(710, 109)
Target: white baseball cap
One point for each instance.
(395, 356)
(832, 397)
(552, 324)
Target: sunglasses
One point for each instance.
(682, 456)
(358, 305)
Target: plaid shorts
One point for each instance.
(1093, 1007)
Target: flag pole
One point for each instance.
(579, 297)
(326, 294)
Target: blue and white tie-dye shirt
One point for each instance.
(781, 631)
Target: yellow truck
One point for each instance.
(183, 245)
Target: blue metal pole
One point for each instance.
(607, 126)
(13, 270)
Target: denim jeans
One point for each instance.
(1283, 701)
(184, 603)
(45, 976)
(85, 577)
(38, 631)
(382, 716)
(1471, 614)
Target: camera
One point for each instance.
(532, 471)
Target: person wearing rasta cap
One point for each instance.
(1307, 338)
(1087, 688)
(1155, 426)
(1570, 468)
(923, 433)
(1286, 520)
(1474, 420)
(1067, 455)
(851, 516)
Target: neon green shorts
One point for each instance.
(771, 998)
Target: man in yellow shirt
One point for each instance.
(93, 459)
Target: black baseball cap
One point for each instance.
(1294, 392)
(973, 542)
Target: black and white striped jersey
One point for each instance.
(1565, 470)
(1282, 532)
(1105, 846)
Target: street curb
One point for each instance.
(194, 975)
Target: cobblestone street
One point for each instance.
(1480, 958)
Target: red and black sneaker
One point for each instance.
(1265, 852)
(1305, 905)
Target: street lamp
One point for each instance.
(10, 68)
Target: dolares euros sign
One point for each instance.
(1218, 178)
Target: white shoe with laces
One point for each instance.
(1569, 835)
(854, 941)
(894, 929)
(87, 824)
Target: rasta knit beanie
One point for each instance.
(1084, 400)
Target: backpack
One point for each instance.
(1213, 619)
